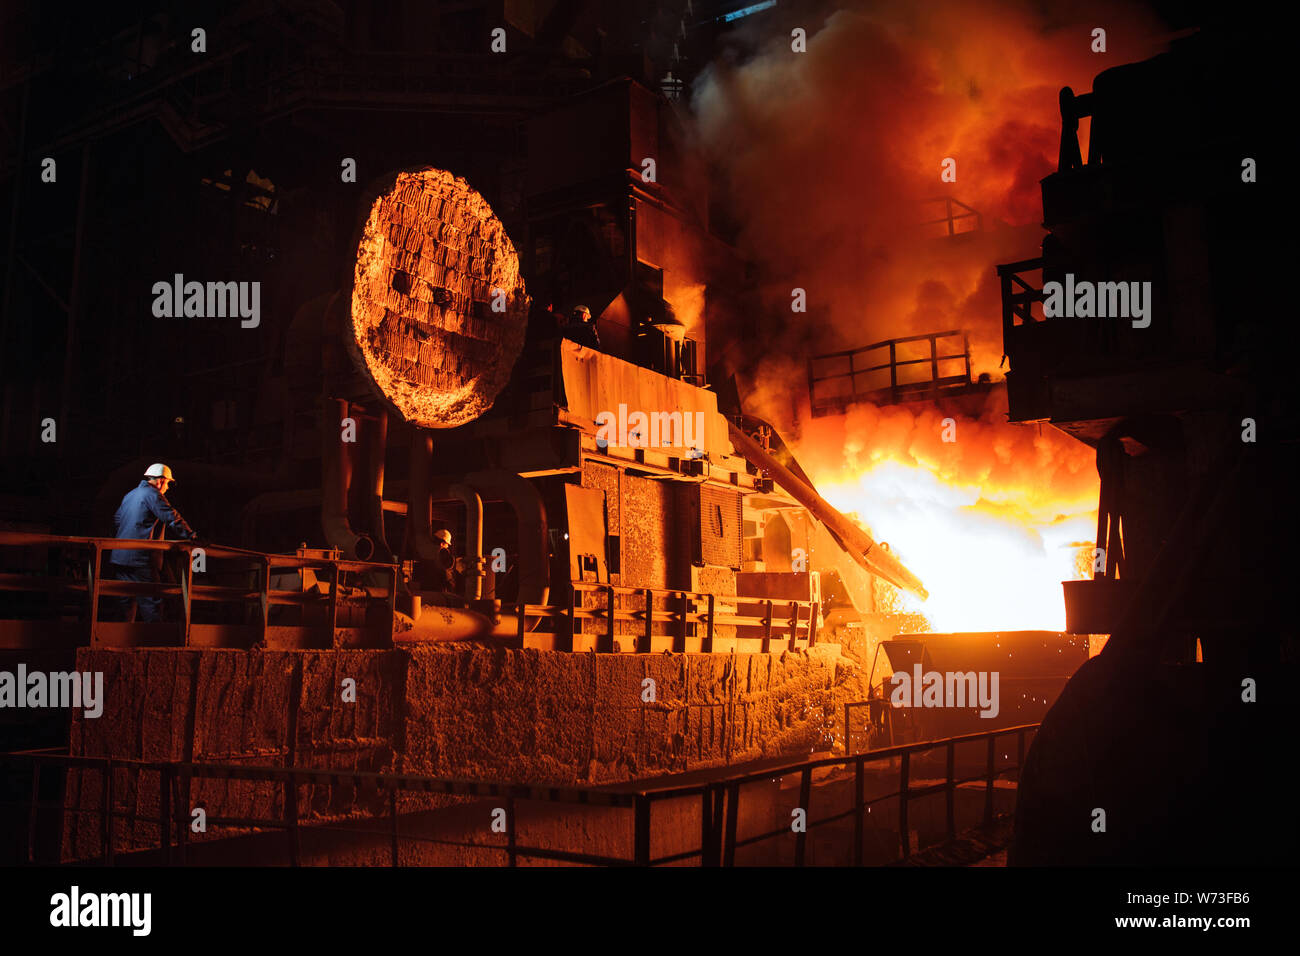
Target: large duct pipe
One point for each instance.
(530, 515)
(853, 539)
(419, 505)
(336, 454)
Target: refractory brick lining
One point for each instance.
(432, 260)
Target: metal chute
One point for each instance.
(856, 542)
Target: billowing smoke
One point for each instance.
(826, 155)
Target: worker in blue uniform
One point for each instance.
(146, 513)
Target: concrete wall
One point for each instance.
(231, 706)
(580, 718)
(460, 711)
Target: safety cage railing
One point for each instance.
(1019, 296)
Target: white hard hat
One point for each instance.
(159, 470)
(442, 534)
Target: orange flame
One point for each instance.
(992, 522)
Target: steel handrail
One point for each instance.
(96, 586)
(717, 846)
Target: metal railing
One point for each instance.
(873, 705)
(1018, 296)
(88, 584)
(859, 383)
(1066, 344)
(719, 803)
(951, 218)
(666, 619)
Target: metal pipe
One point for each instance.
(530, 517)
(419, 505)
(377, 447)
(419, 513)
(448, 624)
(853, 539)
(336, 455)
(473, 539)
(419, 508)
